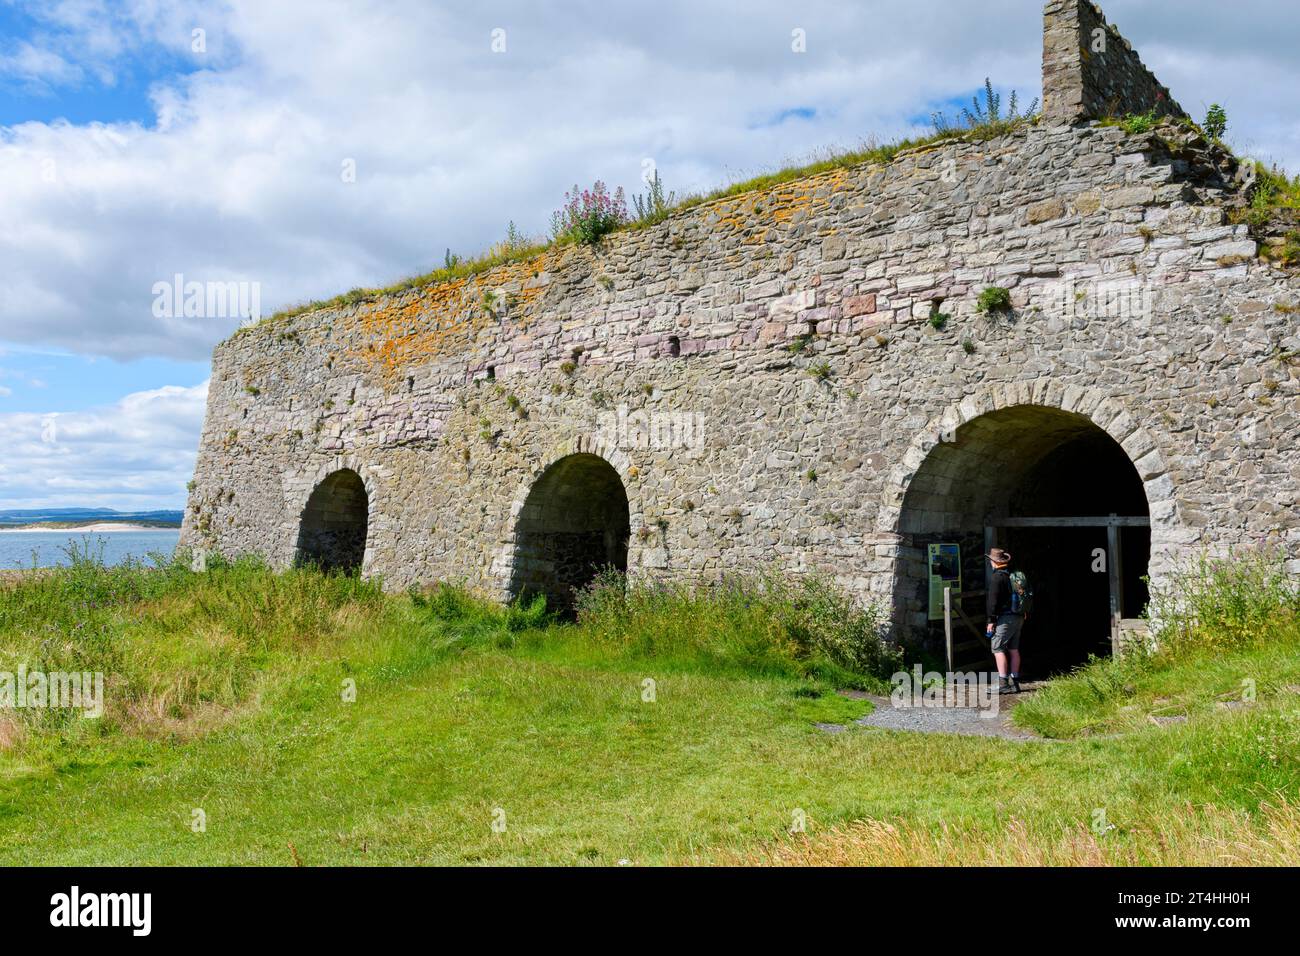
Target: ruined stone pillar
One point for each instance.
(1091, 72)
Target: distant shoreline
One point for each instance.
(94, 527)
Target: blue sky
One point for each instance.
(128, 156)
(125, 99)
(58, 381)
(50, 379)
(46, 382)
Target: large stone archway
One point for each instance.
(572, 519)
(1062, 477)
(332, 529)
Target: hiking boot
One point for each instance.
(1004, 686)
(1015, 685)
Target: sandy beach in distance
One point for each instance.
(97, 528)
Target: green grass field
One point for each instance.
(228, 692)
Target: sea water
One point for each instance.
(46, 548)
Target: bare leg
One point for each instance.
(1015, 663)
(1001, 658)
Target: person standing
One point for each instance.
(1004, 622)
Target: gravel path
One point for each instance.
(950, 719)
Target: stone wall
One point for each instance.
(1091, 72)
(837, 421)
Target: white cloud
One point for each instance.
(134, 455)
(240, 177)
(38, 69)
(75, 41)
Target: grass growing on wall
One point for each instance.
(457, 270)
(1276, 192)
(517, 250)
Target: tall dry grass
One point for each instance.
(1201, 836)
(179, 652)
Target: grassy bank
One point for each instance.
(1229, 638)
(315, 719)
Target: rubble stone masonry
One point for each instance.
(772, 380)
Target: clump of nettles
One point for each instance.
(1216, 122)
(589, 214)
(1244, 600)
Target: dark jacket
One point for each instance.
(999, 597)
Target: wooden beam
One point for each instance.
(1117, 560)
(1116, 602)
(990, 542)
(947, 623)
(1089, 521)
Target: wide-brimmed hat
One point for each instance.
(998, 556)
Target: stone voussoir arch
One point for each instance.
(503, 565)
(298, 487)
(1107, 412)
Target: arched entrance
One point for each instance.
(332, 531)
(574, 522)
(1059, 493)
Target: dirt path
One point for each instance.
(951, 719)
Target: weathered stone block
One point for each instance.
(1045, 211)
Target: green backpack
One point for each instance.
(1022, 595)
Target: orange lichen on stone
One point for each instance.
(752, 215)
(403, 330)
(410, 328)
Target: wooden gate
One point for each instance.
(1114, 525)
(965, 643)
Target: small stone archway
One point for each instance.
(334, 524)
(1034, 466)
(572, 518)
